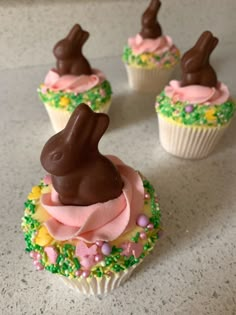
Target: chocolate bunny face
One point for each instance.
(196, 68)
(150, 27)
(68, 53)
(80, 174)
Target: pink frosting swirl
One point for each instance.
(197, 94)
(73, 83)
(158, 46)
(101, 221)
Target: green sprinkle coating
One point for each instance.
(150, 60)
(96, 97)
(201, 115)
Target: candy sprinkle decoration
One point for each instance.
(77, 259)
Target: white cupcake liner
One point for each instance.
(148, 80)
(59, 117)
(97, 286)
(188, 142)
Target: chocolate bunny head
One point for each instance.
(196, 68)
(68, 53)
(150, 26)
(80, 174)
(72, 145)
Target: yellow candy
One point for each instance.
(64, 101)
(210, 115)
(144, 58)
(43, 238)
(35, 193)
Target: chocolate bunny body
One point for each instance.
(68, 53)
(80, 173)
(150, 26)
(196, 68)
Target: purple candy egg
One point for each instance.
(142, 220)
(189, 108)
(106, 249)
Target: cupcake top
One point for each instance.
(73, 81)
(93, 215)
(150, 48)
(199, 99)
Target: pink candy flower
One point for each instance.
(86, 254)
(51, 253)
(131, 248)
(87, 262)
(82, 250)
(44, 89)
(102, 92)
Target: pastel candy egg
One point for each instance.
(85, 273)
(142, 220)
(106, 249)
(189, 108)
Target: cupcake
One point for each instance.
(150, 57)
(73, 81)
(92, 219)
(195, 112)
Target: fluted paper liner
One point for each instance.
(188, 142)
(97, 286)
(148, 80)
(59, 117)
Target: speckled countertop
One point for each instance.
(191, 271)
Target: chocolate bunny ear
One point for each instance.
(78, 35)
(205, 41)
(150, 26)
(101, 124)
(73, 32)
(80, 126)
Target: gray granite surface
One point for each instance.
(192, 270)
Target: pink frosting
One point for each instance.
(158, 46)
(197, 94)
(73, 83)
(102, 221)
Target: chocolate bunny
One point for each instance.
(68, 53)
(80, 173)
(150, 27)
(196, 69)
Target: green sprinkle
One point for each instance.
(145, 247)
(69, 247)
(99, 272)
(59, 258)
(76, 262)
(116, 250)
(29, 205)
(64, 266)
(136, 238)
